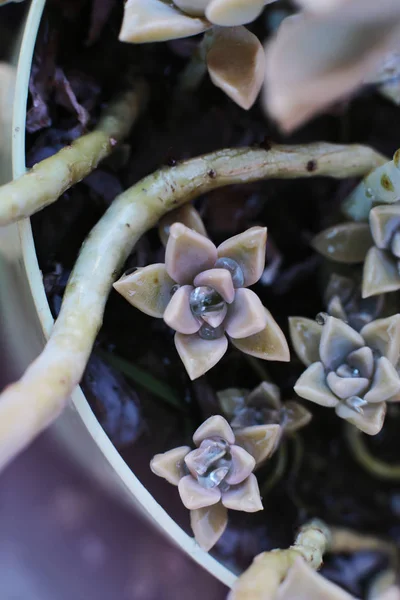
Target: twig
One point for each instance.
(377, 468)
(32, 403)
(48, 179)
(262, 579)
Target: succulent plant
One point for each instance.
(377, 244)
(233, 55)
(352, 372)
(325, 53)
(201, 292)
(218, 474)
(343, 300)
(262, 406)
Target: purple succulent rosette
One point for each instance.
(218, 474)
(353, 372)
(202, 293)
(261, 406)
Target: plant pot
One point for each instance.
(26, 322)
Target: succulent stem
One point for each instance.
(48, 179)
(262, 579)
(31, 404)
(360, 452)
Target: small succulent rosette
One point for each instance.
(262, 406)
(202, 293)
(218, 474)
(233, 56)
(353, 372)
(376, 244)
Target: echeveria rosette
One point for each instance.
(262, 406)
(201, 292)
(353, 372)
(218, 474)
(376, 243)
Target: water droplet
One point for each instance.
(206, 332)
(321, 318)
(205, 300)
(356, 403)
(232, 266)
(206, 456)
(218, 475)
(175, 288)
(346, 371)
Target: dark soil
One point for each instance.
(72, 77)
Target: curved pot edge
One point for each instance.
(99, 455)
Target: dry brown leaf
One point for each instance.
(316, 59)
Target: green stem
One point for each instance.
(33, 402)
(360, 452)
(278, 470)
(47, 180)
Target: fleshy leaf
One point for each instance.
(297, 416)
(157, 21)
(248, 250)
(303, 583)
(384, 220)
(217, 318)
(208, 524)
(232, 400)
(344, 243)
(383, 335)
(245, 496)
(236, 64)
(306, 337)
(370, 420)
(337, 341)
(386, 382)
(228, 13)
(198, 355)
(363, 360)
(194, 8)
(243, 464)
(188, 253)
(345, 387)
(220, 280)
(380, 274)
(312, 385)
(316, 59)
(259, 440)
(269, 344)
(170, 465)
(246, 315)
(185, 214)
(215, 426)
(148, 289)
(178, 314)
(266, 394)
(194, 496)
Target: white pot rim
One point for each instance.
(138, 494)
